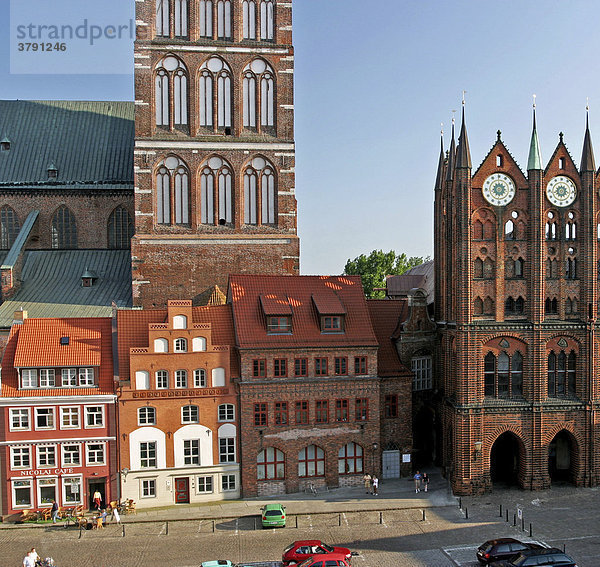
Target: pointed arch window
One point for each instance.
(551, 306)
(9, 227)
(514, 306)
(478, 268)
(488, 268)
(571, 269)
(571, 306)
(571, 230)
(181, 18)
(509, 230)
(478, 306)
(215, 102)
(224, 19)
(478, 230)
(216, 187)
(561, 374)
(249, 19)
(503, 375)
(488, 231)
(205, 10)
(551, 268)
(488, 306)
(259, 96)
(551, 227)
(267, 20)
(120, 229)
(259, 193)
(171, 94)
(162, 18)
(64, 229)
(172, 192)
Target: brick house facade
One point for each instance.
(517, 303)
(178, 415)
(214, 157)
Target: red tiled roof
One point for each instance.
(386, 314)
(132, 329)
(35, 343)
(275, 305)
(328, 303)
(250, 324)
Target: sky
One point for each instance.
(373, 83)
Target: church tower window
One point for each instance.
(216, 187)
(64, 229)
(259, 95)
(259, 193)
(215, 103)
(561, 374)
(170, 98)
(172, 192)
(120, 229)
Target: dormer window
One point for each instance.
(4, 145)
(332, 324)
(332, 313)
(278, 325)
(52, 171)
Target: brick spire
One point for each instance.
(535, 155)
(440, 169)
(587, 155)
(451, 156)
(463, 153)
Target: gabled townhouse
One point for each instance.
(178, 414)
(309, 386)
(57, 403)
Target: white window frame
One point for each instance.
(88, 453)
(22, 450)
(21, 413)
(227, 451)
(29, 482)
(45, 481)
(422, 370)
(29, 378)
(63, 411)
(201, 482)
(63, 461)
(148, 488)
(68, 377)
(48, 450)
(180, 375)
(145, 420)
(228, 412)
(191, 452)
(190, 420)
(180, 345)
(83, 375)
(88, 413)
(227, 479)
(68, 481)
(159, 384)
(47, 427)
(155, 458)
(200, 378)
(47, 378)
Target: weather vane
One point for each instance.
(534, 100)
(587, 103)
(463, 97)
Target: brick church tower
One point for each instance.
(214, 150)
(516, 280)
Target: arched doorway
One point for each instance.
(424, 437)
(505, 459)
(562, 457)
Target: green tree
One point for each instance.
(378, 264)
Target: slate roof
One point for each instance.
(250, 325)
(34, 343)
(132, 329)
(385, 317)
(51, 284)
(90, 143)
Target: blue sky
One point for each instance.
(373, 82)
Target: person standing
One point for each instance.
(115, 515)
(417, 479)
(425, 481)
(97, 500)
(367, 481)
(375, 482)
(54, 511)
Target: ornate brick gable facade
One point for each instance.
(215, 158)
(517, 303)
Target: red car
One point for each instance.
(326, 560)
(301, 550)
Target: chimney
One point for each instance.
(19, 316)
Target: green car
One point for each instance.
(273, 516)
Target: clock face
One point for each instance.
(561, 191)
(498, 189)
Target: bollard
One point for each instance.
(460, 503)
(514, 520)
(123, 530)
(255, 522)
(381, 517)
(564, 548)
(507, 515)
(466, 513)
(213, 526)
(339, 520)
(167, 529)
(296, 521)
(79, 531)
(424, 518)
(530, 531)
(501, 510)
(522, 524)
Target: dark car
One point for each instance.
(502, 548)
(545, 557)
(326, 560)
(301, 550)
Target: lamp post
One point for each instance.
(123, 474)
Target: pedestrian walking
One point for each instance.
(54, 511)
(31, 558)
(115, 515)
(367, 481)
(425, 481)
(97, 500)
(375, 482)
(417, 479)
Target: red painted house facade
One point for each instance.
(57, 409)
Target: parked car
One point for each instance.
(301, 550)
(273, 516)
(502, 548)
(326, 560)
(545, 557)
